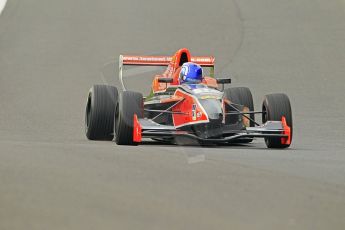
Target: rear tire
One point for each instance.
(275, 106)
(129, 103)
(242, 96)
(99, 113)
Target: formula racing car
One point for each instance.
(175, 109)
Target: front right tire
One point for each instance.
(274, 107)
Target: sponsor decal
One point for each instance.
(194, 115)
(132, 59)
(142, 60)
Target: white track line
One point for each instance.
(2, 5)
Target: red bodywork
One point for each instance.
(198, 115)
(287, 131)
(136, 129)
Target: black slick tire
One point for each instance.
(274, 107)
(129, 103)
(99, 112)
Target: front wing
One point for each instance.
(146, 128)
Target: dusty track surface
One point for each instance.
(51, 177)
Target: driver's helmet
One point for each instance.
(190, 73)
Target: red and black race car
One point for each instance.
(206, 112)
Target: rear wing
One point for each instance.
(204, 61)
(162, 60)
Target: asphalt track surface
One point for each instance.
(51, 177)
